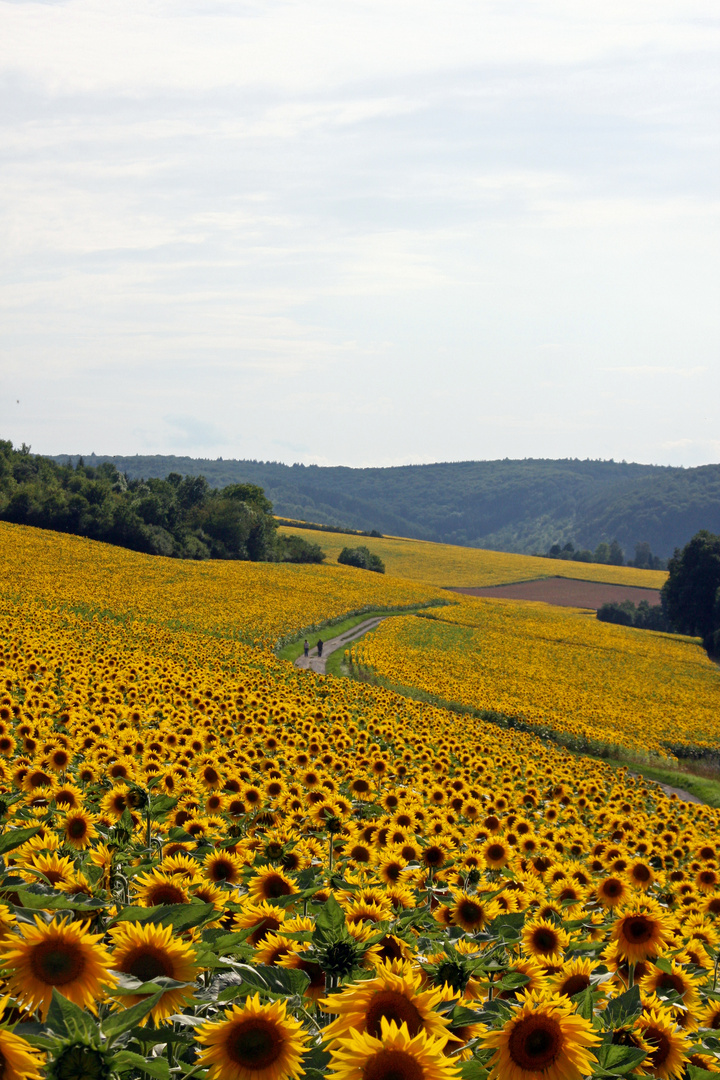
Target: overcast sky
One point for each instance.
(361, 233)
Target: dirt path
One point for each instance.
(317, 663)
(668, 790)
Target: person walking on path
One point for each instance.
(320, 646)
(306, 648)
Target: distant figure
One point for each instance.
(320, 646)
(306, 648)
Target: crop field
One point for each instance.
(557, 668)
(446, 565)
(258, 603)
(216, 865)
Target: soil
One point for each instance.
(567, 592)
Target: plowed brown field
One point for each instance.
(565, 592)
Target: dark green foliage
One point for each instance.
(643, 617)
(297, 550)
(362, 558)
(506, 505)
(568, 552)
(691, 595)
(181, 517)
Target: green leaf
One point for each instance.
(329, 921)
(119, 1022)
(663, 964)
(512, 981)
(267, 979)
(14, 838)
(624, 1007)
(156, 1067)
(66, 1018)
(507, 926)
(619, 1060)
(179, 916)
(585, 1002)
(473, 1070)
(163, 804)
(695, 1072)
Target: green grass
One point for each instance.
(334, 629)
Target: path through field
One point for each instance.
(317, 664)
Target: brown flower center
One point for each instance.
(254, 1043)
(393, 1065)
(535, 1042)
(146, 963)
(393, 1006)
(57, 962)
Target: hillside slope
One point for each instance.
(522, 506)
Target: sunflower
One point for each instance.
(545, 1037)
(666, 1058)
(78, 829)
(612, 890)
(314, 971)
(263, 918)
(641, 931)
(496, 853)
(57, 954)
(147, 952)
(394, 1055)
(573, 977)
(60, 872)
(656, 981)
(396, 994)
(18, 1059)
(545, 940)
(269, 885)
(223, 867)
(253, 1042)
(470, 912)
(156, 888)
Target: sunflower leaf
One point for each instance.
(179, 916)
(695, 1072)
(329, 921)
(120, 1022)
(618, 1060)
(624, 1007)
(66, 1018)
(14, 838)
(125, 1060)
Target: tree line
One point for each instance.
(179, 516)
(611, 554)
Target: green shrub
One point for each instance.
(362, 558)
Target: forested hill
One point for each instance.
(523, 506)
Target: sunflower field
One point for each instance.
(559, 669)
(450, 565)
(216, 865)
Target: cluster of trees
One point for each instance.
(643, 617)
(179, 516)
(691, 594)
(609, 553)
(690, 598)
(362, 558)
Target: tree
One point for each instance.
(617, 556)
(362, 558)
(691, 594)
(602, 552)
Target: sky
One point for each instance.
(361, 233)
